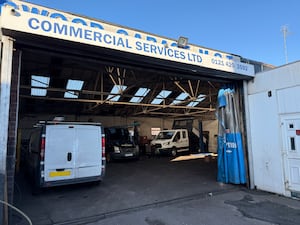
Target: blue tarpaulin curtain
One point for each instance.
(231, 164)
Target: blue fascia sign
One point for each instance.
(38, 20)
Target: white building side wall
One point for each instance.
(271, 94)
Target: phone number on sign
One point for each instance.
(229, 64)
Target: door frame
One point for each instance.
(283, 118)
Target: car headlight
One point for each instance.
(116, 149)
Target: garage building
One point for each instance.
(57, 63)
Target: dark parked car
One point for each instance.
(119, 144)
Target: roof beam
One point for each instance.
(117, 103)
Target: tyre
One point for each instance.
(35, 186)
(108, 158)
(36, 190)
(174, 152)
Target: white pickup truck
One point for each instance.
(170, 142)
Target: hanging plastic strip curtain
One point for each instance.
(231, 164)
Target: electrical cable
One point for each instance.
(18, 210)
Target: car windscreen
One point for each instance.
(118, 134)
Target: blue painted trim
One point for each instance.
(7, 2)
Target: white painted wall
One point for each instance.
(283, 84)
(27, 122)
(212, 127)
(146, 123)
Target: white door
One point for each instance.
(183, 142)
(88, 158)
(291, 144)
(59, 152)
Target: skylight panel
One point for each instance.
(199, 99)
(161, 96)
(139, 95)
(39, 85)
(180, 98)
(39, 81)
(115, 92)
(38, 92)
(71, 94)
(73, 86)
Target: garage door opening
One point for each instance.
(88, 90)
(141, 98)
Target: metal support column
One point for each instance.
(249, 143)
(5, 83)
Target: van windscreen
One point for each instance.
(165, 135)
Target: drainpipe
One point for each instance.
(249, 140)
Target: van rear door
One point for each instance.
(88, 155)
(59, 152)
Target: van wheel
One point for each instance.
(97, 182)
(174, 152)
(36, 190)
(108, 158)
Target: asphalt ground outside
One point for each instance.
(153, 191)
(232, 207)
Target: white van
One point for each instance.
(66, 152)
(171, 142)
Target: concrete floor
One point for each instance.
(154, 191)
